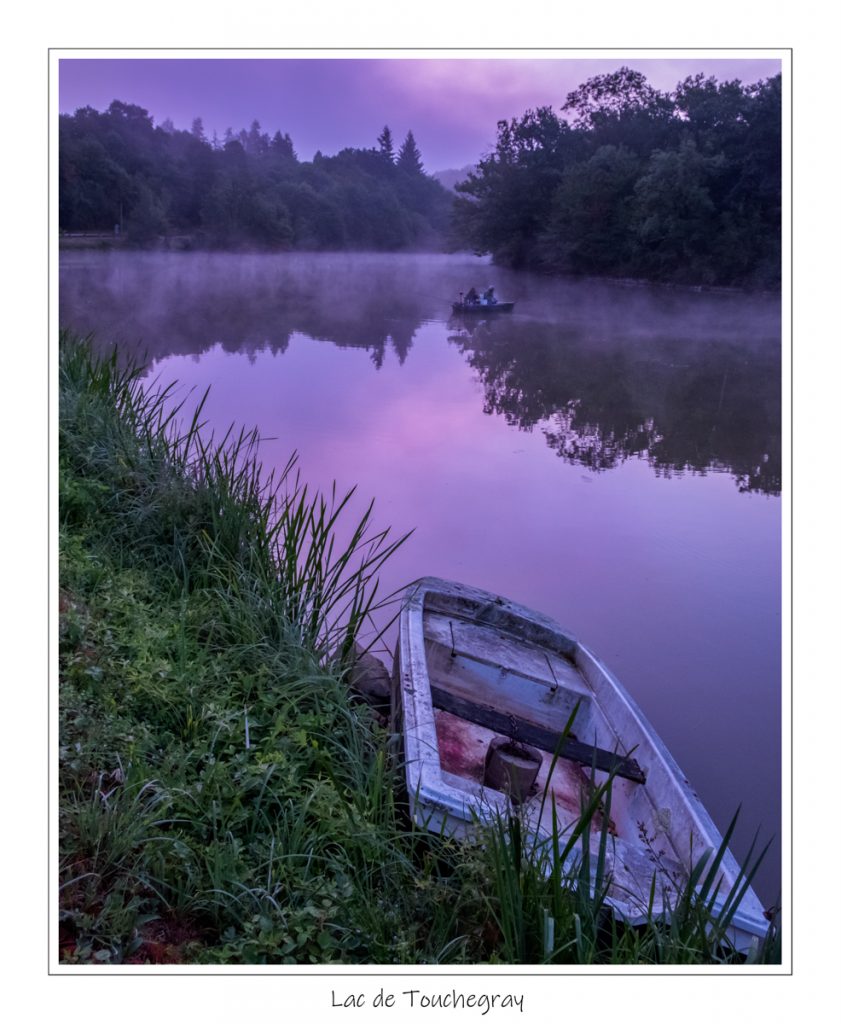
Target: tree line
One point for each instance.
(117, 168)
(633, 182)
(626, 181)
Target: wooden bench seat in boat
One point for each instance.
(537, 736)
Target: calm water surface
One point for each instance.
(609, 455)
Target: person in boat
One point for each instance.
(471, 298)
(488, 297)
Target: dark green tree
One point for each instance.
(506, 202)
(674, 216)
(281, 148)
(588, 225)
(409, 158)
(147, 220)
(612, 97)
(386, 145)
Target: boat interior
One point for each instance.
(497, 679)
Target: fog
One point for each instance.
(184, 303)
(607, 370)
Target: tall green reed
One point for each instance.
(208, 507)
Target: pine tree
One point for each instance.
(256, 141)
(409, 158)
(281, 147)
(386, 145)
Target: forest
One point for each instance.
(682, 187)
(117, 169)
(625, 181)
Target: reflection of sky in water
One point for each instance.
(675, 581)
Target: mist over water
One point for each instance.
(608, 454)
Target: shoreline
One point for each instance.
(224, 796)
(187, 244)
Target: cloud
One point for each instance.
(452, 105)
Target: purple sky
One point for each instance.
(451, 105)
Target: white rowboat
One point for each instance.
(473, 669)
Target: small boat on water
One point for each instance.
(482, 307)
(482, 692)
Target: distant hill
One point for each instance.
(449, 178)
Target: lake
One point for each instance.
(608, 454)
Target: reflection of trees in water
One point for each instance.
(161, 314)
(589, 445)
(682, 406)
(619, 384)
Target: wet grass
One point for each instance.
(223, 797)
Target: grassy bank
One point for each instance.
(223, 796)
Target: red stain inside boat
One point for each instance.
(462, 752)
(462, 747)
